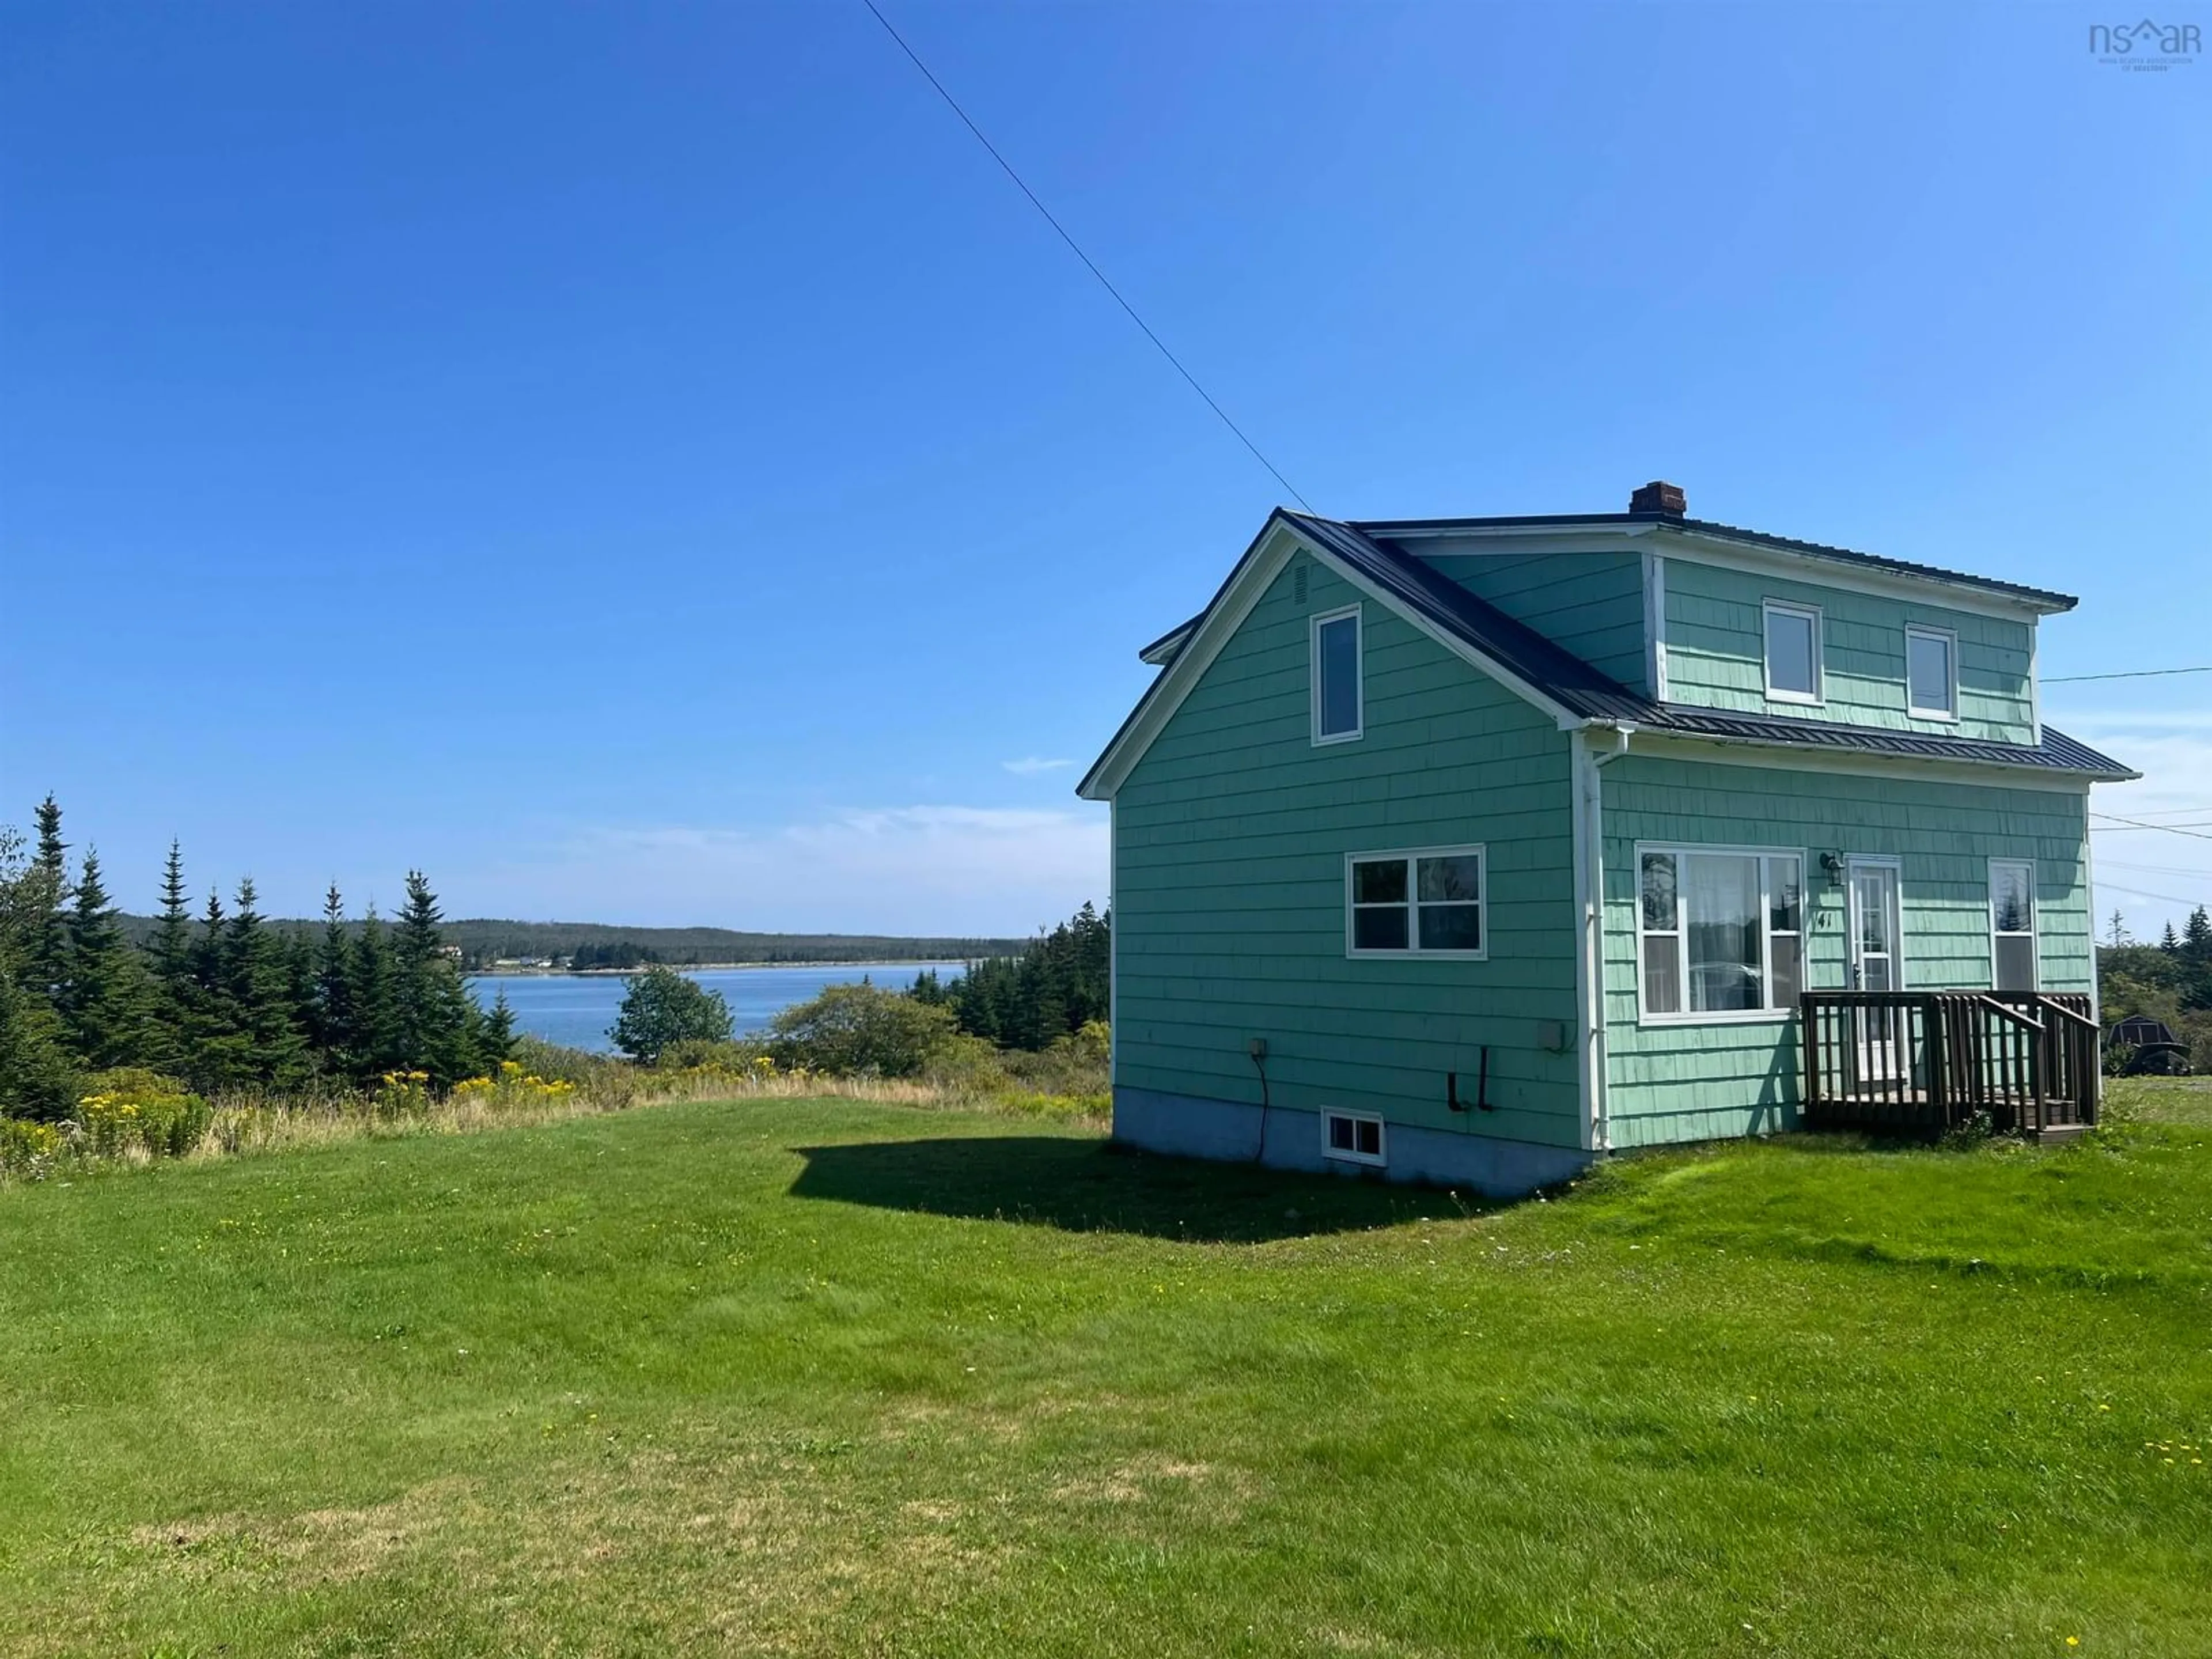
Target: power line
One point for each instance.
(2138, 892)
(2172, 811)
(2155, 869)
(2137, 823)
(2132, 674)
(953, 104)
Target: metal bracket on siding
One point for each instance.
(1481, 1102)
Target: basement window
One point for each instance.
(1352, 1137)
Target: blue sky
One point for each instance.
(645, 463)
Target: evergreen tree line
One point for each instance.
(2171, 982)
(1059, 983)
(621, 954)
(220, 999)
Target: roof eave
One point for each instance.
(2117, 774)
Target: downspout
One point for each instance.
(1590, 829)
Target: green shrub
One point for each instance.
(28, 1148)
(1074, 1065)
(862, 1030)
(739, 1054)
(130, 1108)
(662, 1009)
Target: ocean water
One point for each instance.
(576, 1009)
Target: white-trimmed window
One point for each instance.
(1338, 698)
(1424, 901)
(1931, 672)
(1793, 650)
(1721, 932)
(2012, 924)
(1351, 1137)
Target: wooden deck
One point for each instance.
(1919, 1062)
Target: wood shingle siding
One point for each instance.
(1229, 900)
(1716, 642)
(1685, 1082)
(1590, 603)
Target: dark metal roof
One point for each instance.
(1385, 528)
(1585, 693)
(1514, 646)
(2057, 752)
(1576, 686)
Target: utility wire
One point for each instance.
(2132, 674)
(953, 104)
(2138, 892)
(2137, 823)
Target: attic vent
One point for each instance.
(1298, 585)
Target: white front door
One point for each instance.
(1877, 964)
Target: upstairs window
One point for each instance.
(1931, 672)
(1337, 710)
(1793, 652)
(1721, 933)
(2012, 924)
(1428, 902)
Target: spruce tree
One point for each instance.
(374, 997)
(36, 1080)
(494, 1035)
(434, 1013)
(2197, 936)
(175, 1011)
(103, 993)
(336, 1036)
(302, 1001)
(2170, 942)
(46, 954)
(221, 1049)
(255, 974)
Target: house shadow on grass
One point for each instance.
(1090, 1186)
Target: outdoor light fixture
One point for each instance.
(1833, 864)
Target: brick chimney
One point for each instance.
(1657, 497)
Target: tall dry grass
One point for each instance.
(546, 1085)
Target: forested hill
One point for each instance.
(483, 941)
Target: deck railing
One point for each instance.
(1917, 1060)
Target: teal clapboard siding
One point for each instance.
(1591, 603)
(1716, 645)
(1671, 1083)
(1228, 906)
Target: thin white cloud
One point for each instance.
(1030, 765)
(943, 870)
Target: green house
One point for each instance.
(1467, 850)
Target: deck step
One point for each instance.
(2057, 1134)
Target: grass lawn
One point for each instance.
(828, 1378)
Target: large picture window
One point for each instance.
(1720, 933)
(1427, 902)
(1337, 712)
(2012, 924)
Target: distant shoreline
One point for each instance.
(916, 963)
